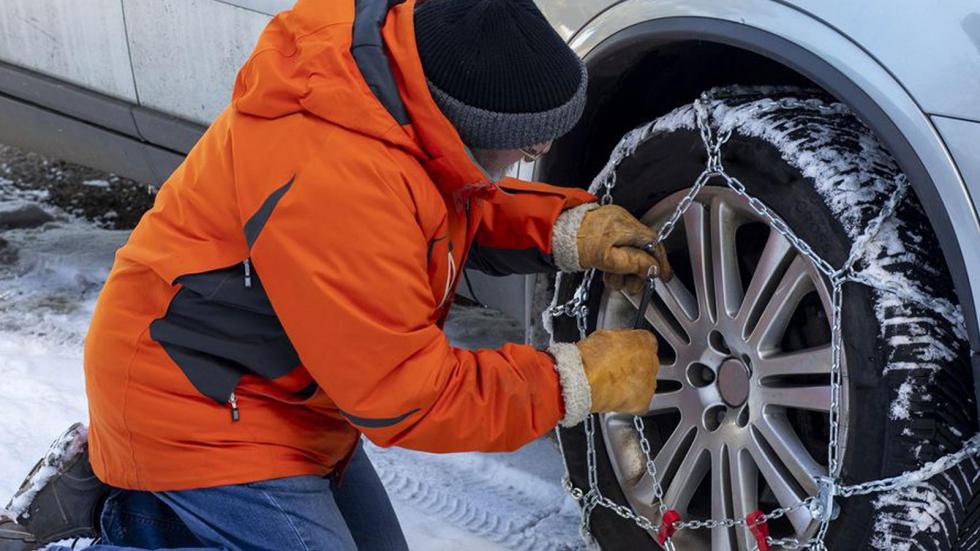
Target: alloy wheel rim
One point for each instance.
(736, 394)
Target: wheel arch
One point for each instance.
(632, 44)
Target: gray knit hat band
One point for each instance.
(483, 129)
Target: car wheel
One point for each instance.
(740, 420)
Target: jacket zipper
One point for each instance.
(450, 276)
(454, 272)
(235, 414)
(248, 272)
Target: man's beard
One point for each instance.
(497, 174)
(494, 163)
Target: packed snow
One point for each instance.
(51, 270)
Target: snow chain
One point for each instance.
(821, 506)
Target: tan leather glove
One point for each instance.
(620, 367)
(609, 239)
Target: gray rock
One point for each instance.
(8, 254)
(26, 215)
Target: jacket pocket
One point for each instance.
(217, 330)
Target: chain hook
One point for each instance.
(668, 528)
(757, 523)
(823, 509)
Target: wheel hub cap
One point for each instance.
(733, 382)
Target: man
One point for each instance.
(287, 291)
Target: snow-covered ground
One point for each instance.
(50, 276)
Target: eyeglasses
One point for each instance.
(535, 152)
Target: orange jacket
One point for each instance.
(287, 290)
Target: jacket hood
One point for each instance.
(354, 63)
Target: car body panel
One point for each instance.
(187, 67)
(268, 7)
(567, 16)
(963, 140)
(932, 48)
(215, 38)
(83, 43)
(860, 68)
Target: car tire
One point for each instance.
(910, 390)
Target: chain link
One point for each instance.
(912, 478)
(651, 467)
(821, 506)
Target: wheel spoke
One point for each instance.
(643, 490)
(775, 255)
(784, 491)
(679, 300)
(721, 493)
(745, 494)
(617, 422)
(810, 398)
(780, 308)
(689, 475)
(724, 263)
(660, 321)
(671, 372)
(784, 442)
(619, 433)
(667, 401)
(700, 253)
(672, 449)
(813, 361)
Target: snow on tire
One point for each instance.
(909, 390)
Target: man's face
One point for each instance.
(498, 162)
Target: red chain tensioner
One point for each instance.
(756, 522)
(667, 528)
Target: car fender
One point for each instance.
(836, 63)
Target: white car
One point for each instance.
(831, 104)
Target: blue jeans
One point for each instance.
(306, 513)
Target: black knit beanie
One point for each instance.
(499, 72)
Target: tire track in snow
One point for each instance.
(509, 499)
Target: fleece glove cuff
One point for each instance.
(608, 371)
(564, 237)
(575, 389)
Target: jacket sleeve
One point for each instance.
(518, 227)
(344, 265)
